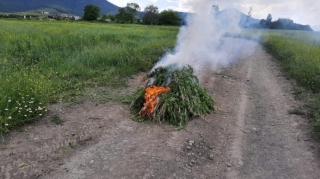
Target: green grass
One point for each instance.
(299, 53)
(45, 61)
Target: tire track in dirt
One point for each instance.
(269, 144)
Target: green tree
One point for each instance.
(91, 12)
(111, 17)
(269, 18)
(123, 16)
(132, 9)
(169, 17)
(127, 14)
(150, 15)
(266, 23)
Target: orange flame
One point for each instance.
(152, 99)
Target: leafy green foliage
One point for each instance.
(91, 12)
(123, 16)
(127, 14)
(185, 100)
(169, 17)
(132, 9)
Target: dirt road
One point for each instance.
(251, 136)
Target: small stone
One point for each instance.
(211, 147)
(197, 146)
(298, 136)
(210, 156)
(306, 139)
(189, 148)
(177, 159)
(229, 164)
(191, 142)
(193, 161)
(91, 162)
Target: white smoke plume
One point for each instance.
(202, 43)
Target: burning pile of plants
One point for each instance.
(171, 96)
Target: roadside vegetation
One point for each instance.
(45, 61)
(299, 54)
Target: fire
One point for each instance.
(152, 99)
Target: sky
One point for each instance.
(300, 11)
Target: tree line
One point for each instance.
(282, 23)
(129, 14)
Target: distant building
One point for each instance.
(74, 18)
(45, 12)
(62, 16)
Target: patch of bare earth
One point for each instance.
(251, 136)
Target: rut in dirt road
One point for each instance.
(252, 136)
(268, 142)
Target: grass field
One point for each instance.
(42, 62)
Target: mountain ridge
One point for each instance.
(75, 7)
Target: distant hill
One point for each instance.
(75, 7)
(244, 20)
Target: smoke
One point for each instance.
(203, 42)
